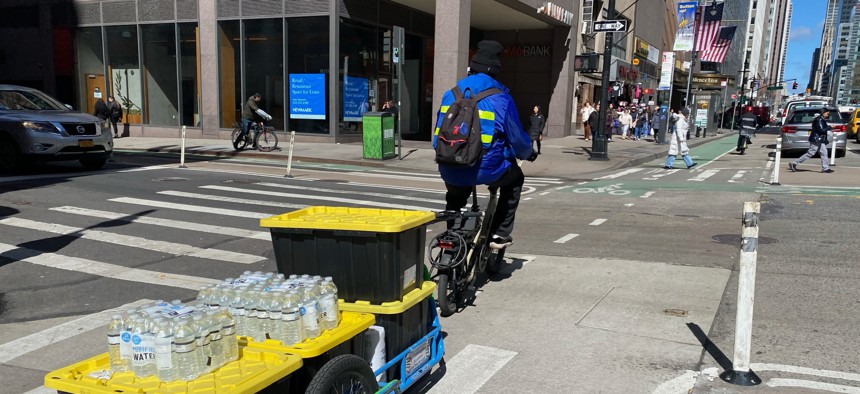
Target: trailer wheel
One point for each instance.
(344, 374)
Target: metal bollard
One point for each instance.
(182, 150)
(741, 374)
(290, 155)
(777, 157)
(833, 151)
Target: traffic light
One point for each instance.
(752, 84)
(794, 85)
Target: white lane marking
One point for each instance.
(808, 384)
(704, 175)
(736, 177)
(543, 194)
(149, 168)
(527, 198)
(629, 204)
(562, 187)
(321, 198)
(647, 194)
(173, 248)
(190, 208)
(234, 200)
(661, 174)
(768, 165)
(566, 238)
(805, 371)
(653, 171)
(41, 390)
(106, 270)
(716, 158)
(257, 174)
(30, 343)
(581, 183)
(597, 222)
(412, 189)
(542, 179)
(390, 176)
(133, 218)
(351, 192)
(679, 384)
(471, 368)
(622, 173)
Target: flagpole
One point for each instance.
(693, 57)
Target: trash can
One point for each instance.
(378, 135)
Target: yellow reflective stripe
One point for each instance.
(487, 115)
(436, 132)
(444, 109)
(486, 138)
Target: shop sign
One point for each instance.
(627, 73)
(307, 96)
(556, 12)
(666, 71)
(527, 50)
(710, 81)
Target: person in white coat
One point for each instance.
(678, 128)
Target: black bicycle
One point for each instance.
(460, 253)
(264, 138)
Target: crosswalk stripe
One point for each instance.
(704, 175)
(471, 368)
(738, 175)
(149, 168)
(133, 218)
(30, 343)
(211, 197)
(312, 197)
(106, 270)
(351, 192)
(412, 189)
(135, 242)
(622, 173)
(249, 173)
(190, 208)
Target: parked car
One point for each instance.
(809, 102)
(35, 127)
(853, 125)
(798, 125)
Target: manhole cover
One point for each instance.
(735, 239)
(240, 181)
(675, 312)
(170, 179)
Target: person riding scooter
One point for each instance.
(749, 124)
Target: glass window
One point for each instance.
(189, 67)
(91, 68)
(160, 86)
(229, 55)
(307, 43)
(369, 78)
(124, 70)
(264, 66)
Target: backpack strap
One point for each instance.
(458, 94)
(487, 93)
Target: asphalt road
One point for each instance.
(605, 279)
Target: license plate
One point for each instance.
(86, 143)
(417, 357)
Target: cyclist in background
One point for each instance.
(252, 113)
(498, 167)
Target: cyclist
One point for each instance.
(251, 113)
(748, 125)
(498, 167)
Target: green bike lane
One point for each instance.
(707, 156)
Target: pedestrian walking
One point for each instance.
(115, 111)
(625, 120)
(101, 110)
(678, 139)
(611, 122)
(594, 117)
(817, 142)
(641, 125)
(536, 125)
(586, 111)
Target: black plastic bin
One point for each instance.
(373, 255)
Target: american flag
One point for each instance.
(710, 26)
(717, 52)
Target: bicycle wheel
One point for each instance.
(446, 295)
(267, 141)
(238, 143)
(494, 264)
(344, 374)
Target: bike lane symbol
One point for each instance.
(614, 190)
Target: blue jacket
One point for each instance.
(503, 135)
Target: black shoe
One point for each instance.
(792, 166)
(828, 171)
(668, 168)
(691, 165)
(499, 242)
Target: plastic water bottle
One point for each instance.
(216, 344)
(114, 331)
(204, 292)
(262, 314)
(237, 309)
(230, 343)
(291, 318)
(201, 335)
(186, 358)
(252, 327)
(329, 316)
(310, 312)
(143, 347)
(164, 352)
(274, 327)
(125, 349)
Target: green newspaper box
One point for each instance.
(378, 135)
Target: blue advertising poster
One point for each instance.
(307, 96)
(686, 26)
(354, 98)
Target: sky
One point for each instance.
(807, 22)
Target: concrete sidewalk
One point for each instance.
(565, 158)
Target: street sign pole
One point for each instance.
(599, 146)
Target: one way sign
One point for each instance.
(610, 26)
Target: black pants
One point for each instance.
(115, 130)
(510, 186)
(538, 144)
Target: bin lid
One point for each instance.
(350, 219)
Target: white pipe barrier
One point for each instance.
(741, 373)
(833, 150)
(182, 150)
(290, 155)
(776, 162)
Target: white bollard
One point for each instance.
(741, 374)
(777, 157)
(833, 151)
(182, 150)
(290, 155)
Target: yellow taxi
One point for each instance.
(853, 125)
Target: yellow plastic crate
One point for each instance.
(254, 370)
(391, 308)
(350, 219)
(351, 324)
